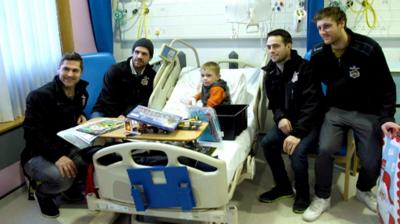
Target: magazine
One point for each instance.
(101, 126)
(77, 138)
(156, 118)
(81, 139)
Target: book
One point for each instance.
(101, 126)
(162, 120)
(82, 139)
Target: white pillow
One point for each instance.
(236, 81)
(184, 90)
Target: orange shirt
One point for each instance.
(217, 96)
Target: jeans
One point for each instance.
(367, 137)
(272, 144)
(49, 177)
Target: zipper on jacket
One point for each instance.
(288, 96)
(292, 101)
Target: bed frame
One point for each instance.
(211, 190)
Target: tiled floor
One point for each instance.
(250, 210)
(15, 208)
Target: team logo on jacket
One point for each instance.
(295, 77)
(354, 72)
(145, 81)
(83, 100)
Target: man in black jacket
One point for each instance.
(47, 159)
(361, 96)
(128, 83)
(294, 97)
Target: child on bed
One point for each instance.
(214, 90)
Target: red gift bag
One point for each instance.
(388, 192)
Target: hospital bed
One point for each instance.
(211, 189)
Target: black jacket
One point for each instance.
(359, 80)
(294, 94)
(122, 91)
(48, 111)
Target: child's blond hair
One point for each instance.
(211, 66)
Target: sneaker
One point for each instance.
(47, 206)
(300, 204)
(275, 194)
(368, 198)
(316, 208)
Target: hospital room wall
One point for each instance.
(249, 49)
(11, 145)
(206, 27)
(75, 26)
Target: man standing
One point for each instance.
(47, 158)
(361, 96)
(128, 83)
(294, 97)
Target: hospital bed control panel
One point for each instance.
(168, 53)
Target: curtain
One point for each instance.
(100, 15)
(312, 32)
(30, 50)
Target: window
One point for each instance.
(29, 51)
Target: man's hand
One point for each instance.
(66, 167)
(285, 126)
(290, 143)
(390, 129)
(81, 119)
(121, 117)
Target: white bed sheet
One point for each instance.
(243, 85)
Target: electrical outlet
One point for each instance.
(298, 18)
